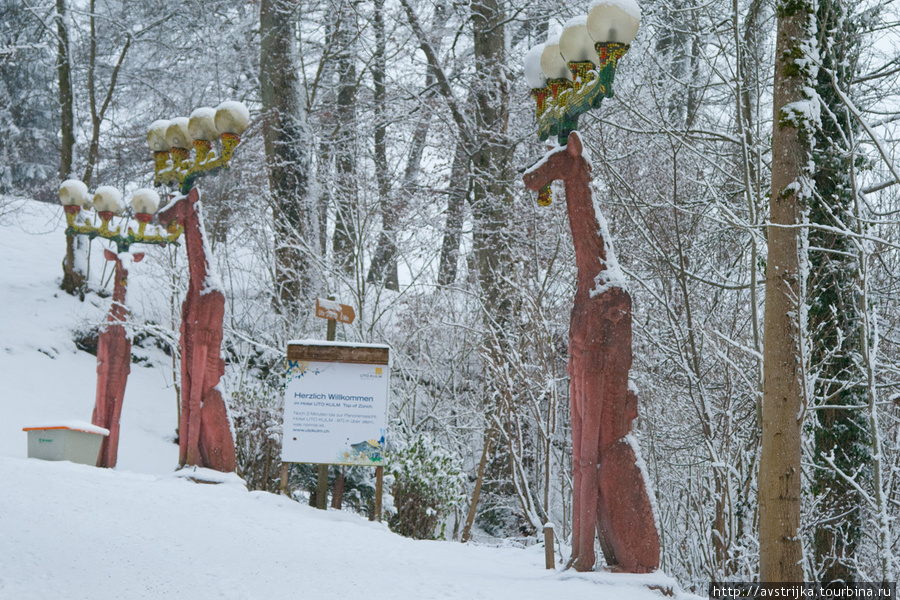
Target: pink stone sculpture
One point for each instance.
(113, 362)
(205, 437)
(609, 492)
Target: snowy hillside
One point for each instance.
(139, 531)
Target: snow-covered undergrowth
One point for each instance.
(140, 531)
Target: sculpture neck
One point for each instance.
(118, 310)
(194, 237)
(590, 251)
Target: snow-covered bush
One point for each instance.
(428, 483)
(256, 415)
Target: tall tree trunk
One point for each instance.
(66, 94)
(345, 243)
(74, 264)
(491, 201)
(98, 112)
(384, 260)
(286, 156)
(784, 391)
(457, 192)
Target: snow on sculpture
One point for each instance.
(610, 490)
(205, 436)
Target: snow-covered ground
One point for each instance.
(78, 532)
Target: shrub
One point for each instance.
(428, 483)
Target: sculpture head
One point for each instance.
(561, 163)
(113, 257)
(181, 209)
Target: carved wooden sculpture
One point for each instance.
(204, 428)
(610, 494)
(113, 362)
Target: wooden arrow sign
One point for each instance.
(329, 309)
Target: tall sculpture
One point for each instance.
(183, 152)
(205, 437)
(610, 492)
(113, 361)
(570, 75)
(114, 343)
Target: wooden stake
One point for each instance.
(284, 478)
(549, 558)
(379, 486)
(322, 483)
(337, 491)
(322, 487)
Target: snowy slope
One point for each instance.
(72, 531)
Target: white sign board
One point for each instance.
(334, 412)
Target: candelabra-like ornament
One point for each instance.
(107, 204)
(572, 73)
(172, 141)
(204, 429)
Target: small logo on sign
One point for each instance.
(297, 369)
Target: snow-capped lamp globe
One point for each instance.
(559, 78)
(202, 129)
(613, 21)
(108, 202)
(612, 24)
(145, 203)
(156, 139)
(232, 119)
(537, 81)
(577, 48)
(177, 134)
(73, 195)
(535, 77)
(180, 142)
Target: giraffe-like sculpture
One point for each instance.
(610, 491)
(113, 361)
(205, 437)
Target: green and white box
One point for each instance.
(75, 441)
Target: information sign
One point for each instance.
(335, 403)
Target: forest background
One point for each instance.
(382, 167)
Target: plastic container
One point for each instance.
(77, 442)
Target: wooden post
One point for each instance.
(379, 486)
(322, 487)
(549, 558)
(322, 483)
(337, 491)
(284, 478)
